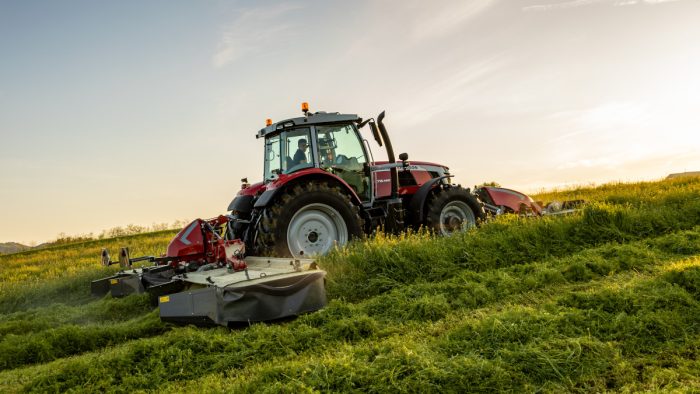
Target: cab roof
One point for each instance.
(317, 118)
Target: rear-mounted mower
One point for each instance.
(499, 200)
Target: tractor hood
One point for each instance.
(417, 163)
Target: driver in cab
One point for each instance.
(300, 155)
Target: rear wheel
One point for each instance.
(453, 209)
(308, 220)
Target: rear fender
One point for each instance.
(241, 204)
(243, 201)
(269, 195)
(418, 200)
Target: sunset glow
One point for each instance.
(118, 113)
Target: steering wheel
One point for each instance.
(341, 159)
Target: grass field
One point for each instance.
(607, 299)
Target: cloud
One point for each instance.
(254, 30)
(611, 116)
(457, 91)
(558, 6)
(604, 162)
(581, 3)
(448, 18)
(652, 1)
(658, 163)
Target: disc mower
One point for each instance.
(499, 200)
(206, 279)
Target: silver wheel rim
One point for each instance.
(456, 216)
(314, 230)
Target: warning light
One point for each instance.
(268, 122)
(305, 107)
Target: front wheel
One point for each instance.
(308, 220)
(453, 209)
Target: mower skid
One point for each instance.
(100, 287)
(127, 285)
(564, 208)
(135, 281)
(259, 294)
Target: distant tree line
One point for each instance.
(119, 231)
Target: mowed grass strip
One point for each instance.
(216, 350)
(50, 333)
(105, 310)
(542, 342)
(57, 326)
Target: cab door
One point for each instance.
(341, 152)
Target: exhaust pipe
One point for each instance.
(390, 153)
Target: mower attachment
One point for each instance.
(268, 289)
(199, 243)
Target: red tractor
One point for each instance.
(321, 186)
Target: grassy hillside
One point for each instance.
(604, 300)
(11, 247)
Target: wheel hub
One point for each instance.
(456, 216)
(454, 223)
(312, 237)
(314, 229)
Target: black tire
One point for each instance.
(307, 219)
(452, 209)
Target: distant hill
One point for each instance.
(12, 247)
(684, 174)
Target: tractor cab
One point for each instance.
(329, 142)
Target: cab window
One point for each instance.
(340, 152)
(273, 164)
(298, 153)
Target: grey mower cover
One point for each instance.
(271, 299)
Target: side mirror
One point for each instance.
(375, 133)
(361, 123)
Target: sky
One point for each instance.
(142, 112)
